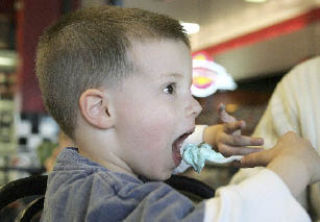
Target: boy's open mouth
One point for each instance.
(176, 146)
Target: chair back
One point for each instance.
(21, 188)
(36, 186)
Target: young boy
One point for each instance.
(118, 83)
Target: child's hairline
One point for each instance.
(132, 69)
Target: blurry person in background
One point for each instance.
(294, 106)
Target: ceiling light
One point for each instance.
(256, 1)
(191, 28)
(6, 61)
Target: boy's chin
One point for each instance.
(160, 176)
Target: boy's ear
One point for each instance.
(94, 107)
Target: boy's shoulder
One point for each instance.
(90, 190)
(72, 168)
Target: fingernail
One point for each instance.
(221, 107)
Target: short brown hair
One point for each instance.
(89, 47)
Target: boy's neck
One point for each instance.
(112, 162)
(100, 146)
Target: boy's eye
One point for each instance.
(170, 88)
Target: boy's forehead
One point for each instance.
(159, 54)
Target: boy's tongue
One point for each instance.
(176, 156)
(176, 146)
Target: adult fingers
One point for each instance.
(227, 150)
(224, 116)
(233, 126)
(239, 140)
(256, 159)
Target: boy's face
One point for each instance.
(155, 110)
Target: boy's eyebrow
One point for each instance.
(179, 75)
(176, 75)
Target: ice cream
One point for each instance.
(197, 155)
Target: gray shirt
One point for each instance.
(82, 190)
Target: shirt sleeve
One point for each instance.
(294, 106)
(197, 136)
(262, 197)
(152, 201)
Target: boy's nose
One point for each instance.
(194, 108)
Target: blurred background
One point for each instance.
(254, 43)
(241, 49)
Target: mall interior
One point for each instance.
(249, 45)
